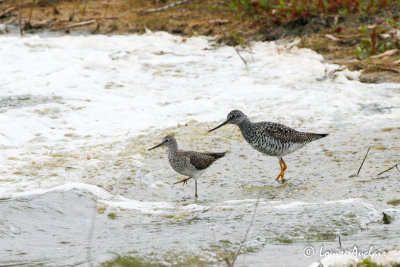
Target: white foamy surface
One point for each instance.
(77, 112)
(63, 92)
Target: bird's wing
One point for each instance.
(282, 132)
(201, 161)
(216, 155)
(287, 134)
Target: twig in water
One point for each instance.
(237, 51)
(90, 236)
(164, 7)
(228, 262)
(362, 163)
(395, 166)
(340, 242)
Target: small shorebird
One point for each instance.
(189, 163)
(270, 138)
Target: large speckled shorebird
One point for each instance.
(270, 138)
(189, 163)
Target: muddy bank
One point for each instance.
(208, 18)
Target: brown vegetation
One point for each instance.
(349, 39)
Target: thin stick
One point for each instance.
(237, 51)
(228, 263)
(110, 17)
(21, 30)
(340, 242)
(6, 11)
(83, 23)
(362, 163)
(247, 233)
(79, 24)
(164, 7)
(90, 236)
(395, 166)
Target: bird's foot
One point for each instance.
(281, 176)
(184, 181)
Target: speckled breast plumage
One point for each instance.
(275, 139)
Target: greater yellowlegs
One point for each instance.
(270, 138)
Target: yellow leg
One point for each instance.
(283, 170)
(280, 165)
(283, 167)
(184, 181)
(195, 188)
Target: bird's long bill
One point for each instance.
(156, 146)
(222, 124)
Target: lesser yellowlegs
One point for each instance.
(189, 163)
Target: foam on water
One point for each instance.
(65, 187)
(64, 211)
(81, 90)
(145, 207)
(78, 112)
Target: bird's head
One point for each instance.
(168, 141)
(234, 117)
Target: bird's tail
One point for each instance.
(316, 136)
(217, 155)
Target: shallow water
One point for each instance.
(78, 114)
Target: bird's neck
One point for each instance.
(172, 149)
(246, 126)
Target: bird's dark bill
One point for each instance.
(222, 124)
(156, 146)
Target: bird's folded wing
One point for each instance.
(199, 160)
